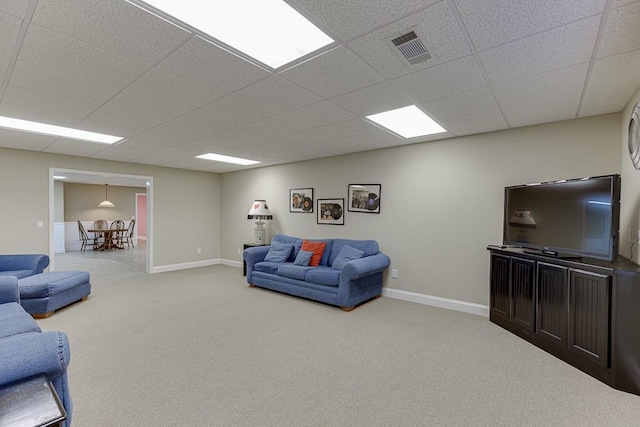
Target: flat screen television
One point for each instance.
(568, 218)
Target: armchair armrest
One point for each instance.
(366, 266)
(35, 262)
(28, 354)
(9, 291)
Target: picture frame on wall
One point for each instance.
(331, 211)
(364, 198)
(301, 200)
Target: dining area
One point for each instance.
(105, 236)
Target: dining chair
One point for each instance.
(117, 230)
(100, 224)
(83, 236)
(128, 236)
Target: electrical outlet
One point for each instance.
(199, 251)
(239, 251)
(394, 273)
(40, 224)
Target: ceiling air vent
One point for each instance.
(409, 47)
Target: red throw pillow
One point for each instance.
(317, 248)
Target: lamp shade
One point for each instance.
(522, 218)
(106, 203)
(259, 210)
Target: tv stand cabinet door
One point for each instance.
(589, 296)
(522, 293)
(552, 314)
(499, 282)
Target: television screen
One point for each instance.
(571, 218)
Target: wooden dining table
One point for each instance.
(108, 243)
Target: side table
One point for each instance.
(249, 245)
(30, 403)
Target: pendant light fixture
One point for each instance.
(106, 203)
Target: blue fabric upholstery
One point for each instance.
(44, 293)
(359, 280)
(23, 265)
(279, 252)
(25, 351)
(346, 254)
(303, 258)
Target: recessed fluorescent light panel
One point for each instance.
(45, 129)
(407, 122)
(226, 159)
(270, 31)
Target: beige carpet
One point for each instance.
(200, 348)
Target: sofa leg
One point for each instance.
(43, 315)
(251, 285)
(348, 309)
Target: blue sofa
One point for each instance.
(23, 265)
(26, 351)
(357, 281)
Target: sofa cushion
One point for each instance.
(296, 241)
(267, 267)
(346, 254)
(303, 258)
(293, 271)
(317, 248)
(15, 320)
(279, 252)
(368, 247)
(47, 284)
(17, 273)
(323, 275)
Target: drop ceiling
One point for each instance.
(107, 66)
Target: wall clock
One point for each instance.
(634, 136)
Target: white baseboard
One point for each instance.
(231, 263)
(450, 304)
(185, 265)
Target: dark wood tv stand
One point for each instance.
(583, 311)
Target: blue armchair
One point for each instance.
(26, 351)
(23, 265)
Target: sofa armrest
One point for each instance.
(35, 262)
(29, 354)
(366, 266)
(252, 256)
(9, 291)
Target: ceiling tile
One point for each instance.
(558, 48)
(115, 129)
(113, 25)
(622, 32)
(549, 110)
(134, 111)
(73, 147)
(163, 157)
(438, 29)
(333, 73)
(318, 114)
(43, 101)
(52, 82)
(24, 140)
(169, 89)
(601, 109)
(461, 104)
(4, 65)
(544, 85)
(206, 64)
(61, 53)
(494, 22)
(37, 115)
(618, 94)
(276, 94)
(9, 28)
(348, 19)
(120, 153)
(373, 99)
(16, 8)
(616, 69)
(489, 118)
(442, 80)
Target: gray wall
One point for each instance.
(630, 198)
(185, 205)
(441, 201)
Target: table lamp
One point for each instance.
(259, 210)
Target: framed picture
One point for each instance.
(331, 211)
(301, 200)
(364, 198)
